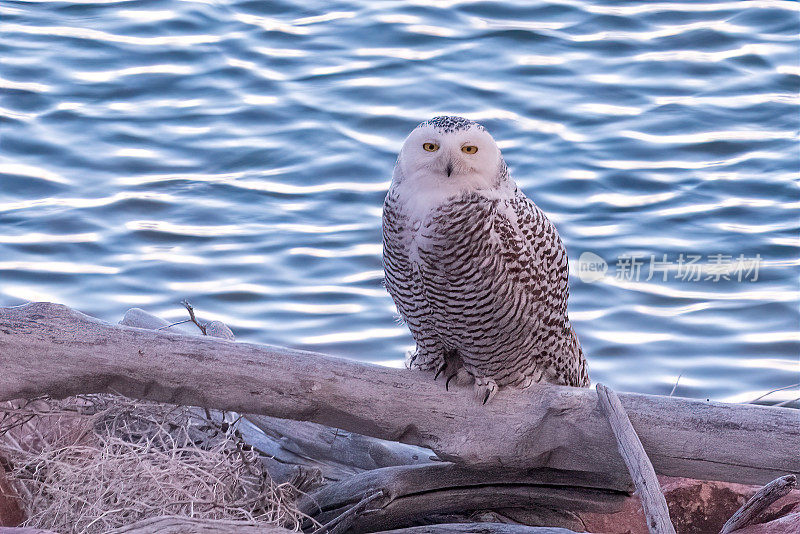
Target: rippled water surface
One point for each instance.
(236, 153)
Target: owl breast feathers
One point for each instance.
(477, 271)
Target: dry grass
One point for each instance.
(89, 464)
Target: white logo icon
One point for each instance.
(591, 267)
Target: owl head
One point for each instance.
(449, 155)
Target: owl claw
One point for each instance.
(485, 389)
(411, 357)
(438, 372)
(447, 383)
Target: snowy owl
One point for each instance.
(476, 269)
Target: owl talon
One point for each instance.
(438, 372)
(447, 383)
(411, 357)
(485, 389)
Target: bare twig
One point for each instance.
(173, 324)
(639, 466)
(192, 318)
(342, 523)
(770, 392)
(759, 502)
(671, 393)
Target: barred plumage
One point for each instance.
(476, 269)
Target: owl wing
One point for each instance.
(565, 353)
(403, 281)
(495, 276)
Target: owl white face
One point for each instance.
(449, 155)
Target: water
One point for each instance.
(236, 153)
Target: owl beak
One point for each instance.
(449, 168)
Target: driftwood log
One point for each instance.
(759, 502)
(337, 454)
(411, 493)
(186, 525)
(641, 470)
(50, 349)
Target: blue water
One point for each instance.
(236, 153)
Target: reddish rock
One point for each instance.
(695, 507)
(11, 513)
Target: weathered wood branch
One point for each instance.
(759, 502)
(338, 454)
(411, 493)
(51, 349)
(187, 525)
(343, 523)
(644, 477)
(178, 525)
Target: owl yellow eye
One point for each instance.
(469, 149)
(430, 147)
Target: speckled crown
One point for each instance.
(449, 124)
